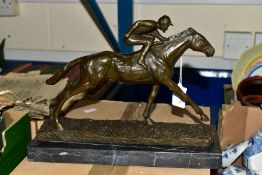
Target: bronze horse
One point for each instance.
(96, 69)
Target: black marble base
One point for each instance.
(65, 150)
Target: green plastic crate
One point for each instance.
(17, 137)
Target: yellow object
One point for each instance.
(248, 64)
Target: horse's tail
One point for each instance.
(61, 72)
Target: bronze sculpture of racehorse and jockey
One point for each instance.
(97, 69)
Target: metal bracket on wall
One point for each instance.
(98, 17)
(125, 19)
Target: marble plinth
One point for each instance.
(127, 143)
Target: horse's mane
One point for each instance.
(189, 31)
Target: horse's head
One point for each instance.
(173, 48)
(199, 43)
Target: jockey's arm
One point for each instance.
(156, 34)
(145, 23)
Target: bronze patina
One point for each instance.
(144, 32)
(126, 132)
(97, 69)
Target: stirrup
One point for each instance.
(142, 63)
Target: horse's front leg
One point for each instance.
(184, 97)
(150, 101)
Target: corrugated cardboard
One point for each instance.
(39, 168)
(29, 92)
(115, 110)
(238, 123)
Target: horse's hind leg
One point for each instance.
(150, 101)
(64, 96)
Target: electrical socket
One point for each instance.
(8, 8)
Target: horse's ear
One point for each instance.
(192, 30)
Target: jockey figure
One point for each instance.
(144, 32)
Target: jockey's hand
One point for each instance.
(167, 39)
(164, 39)
(170, 38)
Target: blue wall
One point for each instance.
(205, 91)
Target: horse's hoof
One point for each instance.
(204, 118)
(149, 121)
(59, 127)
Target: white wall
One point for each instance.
(68, 27)
(55, 26)
(210, 20)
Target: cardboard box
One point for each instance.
(16, 137)
(238, 123)
(114, 110)
(39, 168)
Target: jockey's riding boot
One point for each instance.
(145, 50)
(142, 63)
(141, 60)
